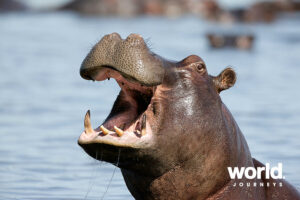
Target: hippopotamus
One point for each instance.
(233, 40)
(169, 131)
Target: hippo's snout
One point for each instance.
(130, 57)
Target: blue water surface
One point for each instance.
(43, 99)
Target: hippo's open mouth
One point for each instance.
(138, 71)
(128, 124)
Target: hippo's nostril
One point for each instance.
(115, 36)
(110, 38)
(135, 39)
(134, 36)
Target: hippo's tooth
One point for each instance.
(120, 132)
(143, 132)
(87, 123)
(104, 130)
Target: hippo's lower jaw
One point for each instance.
(128, 125)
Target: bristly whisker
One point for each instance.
(92, 178)
(109, 183)
(149, 43)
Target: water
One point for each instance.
(43, 99)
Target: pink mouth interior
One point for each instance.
(137, 99)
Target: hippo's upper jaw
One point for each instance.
(130, 57)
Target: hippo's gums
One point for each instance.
(168, 129)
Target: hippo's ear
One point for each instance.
(225, 79)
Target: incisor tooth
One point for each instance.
(120, 132)
(104, 130)
(87, 123)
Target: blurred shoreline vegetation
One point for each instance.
(212, 10)
(264, 11)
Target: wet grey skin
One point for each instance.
(169, 131)
(131, 57)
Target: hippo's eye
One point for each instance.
(200, 67)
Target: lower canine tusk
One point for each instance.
(120, 132)
(143, 132)
(87, 123)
